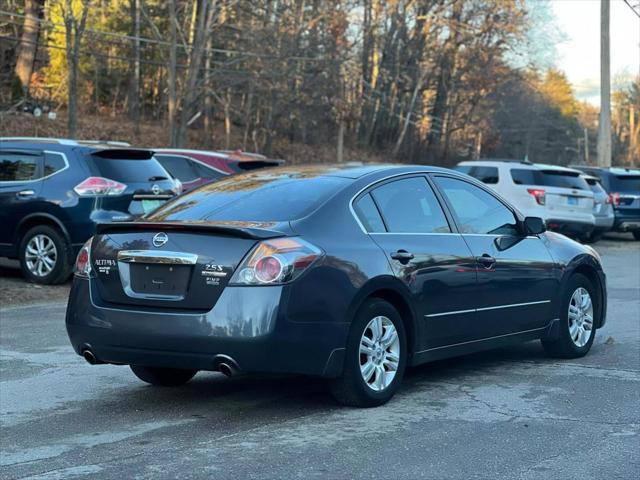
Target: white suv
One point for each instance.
(557, 194)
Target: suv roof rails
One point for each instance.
(506, 160)
(65, 141)
(61, 141)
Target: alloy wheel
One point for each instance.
(580, 317)
(41, 255)
(379, 353)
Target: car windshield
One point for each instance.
(260, 197)
(127, 170)
(625, 183)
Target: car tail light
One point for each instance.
(614, 199)
(83, 260)
(94, 186)
(538, 194)
(276, 261)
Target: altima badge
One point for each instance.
(159, 239)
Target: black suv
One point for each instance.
(623, 187)
(53, 193)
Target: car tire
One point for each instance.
(45, 255)
(163, 377)
(636, 234)
(578, 320)
(380, 323)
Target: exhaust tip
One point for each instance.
(89, 357)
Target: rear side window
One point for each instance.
(476, 210)
(549, 178)
(53, 163)
(259, 197)
(594, 185)
(368, 214)
(488, 175)
(410, 206)
(17, 167)
(127, 170)
(179, 167)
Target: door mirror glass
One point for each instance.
(534, 226)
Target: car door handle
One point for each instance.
(486, 260)
(402, 256)
(25, 193)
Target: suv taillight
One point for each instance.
(95, 186)
(614, 199)
(276, 261)
(538, 194)
(82, 267)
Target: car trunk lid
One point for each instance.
(182, 266)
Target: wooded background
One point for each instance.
(421, 81)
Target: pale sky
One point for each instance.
(579, 53)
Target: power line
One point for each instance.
(633, 9)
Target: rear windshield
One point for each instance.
(549, 178)
(487, 175)
(259, 197)
(625, 183)
(127, 170)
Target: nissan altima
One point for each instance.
(351, 273)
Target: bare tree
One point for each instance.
(28, 41)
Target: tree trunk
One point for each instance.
(28, 42)
(134, 90)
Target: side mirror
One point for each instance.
(534, 226)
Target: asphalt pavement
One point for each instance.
(511, 413)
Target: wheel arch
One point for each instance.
(37, 219)
(391, 290)
(588, 268)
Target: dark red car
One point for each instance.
(197, 167)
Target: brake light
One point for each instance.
(276, 261)
(94, 186)
(538, 194)
(614, 199)
(83, 260)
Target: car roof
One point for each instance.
(17, 142)
(499, 163)
(546, 166)
(611, 170)
(355, 170)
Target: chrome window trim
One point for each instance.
(483, 309)
(66, 166)
(157, 256)
(405, 174)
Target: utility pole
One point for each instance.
(586, 146)
(604, 124)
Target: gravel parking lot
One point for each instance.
(510, 413)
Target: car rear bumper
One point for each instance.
(604, 222)
(626, 222)
(247, 326)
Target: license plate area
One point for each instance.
(572, 201)
(159, 280)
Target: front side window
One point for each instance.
(18, 167)
(410, 206)
(477, 211)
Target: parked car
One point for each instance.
(348, 273)
(53, 193)
(602, 209)
(197, 167)
(623, 187)
(557, 194)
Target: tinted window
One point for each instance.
(549, 178)
(53, 163)
(18, 167)
(409, 206)
(368, 214)
(127, 171)
(487, 175)
(255, 196)
(594, 185)
(179, 167)
(625, 183)
(476, 210)
(205, 172)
